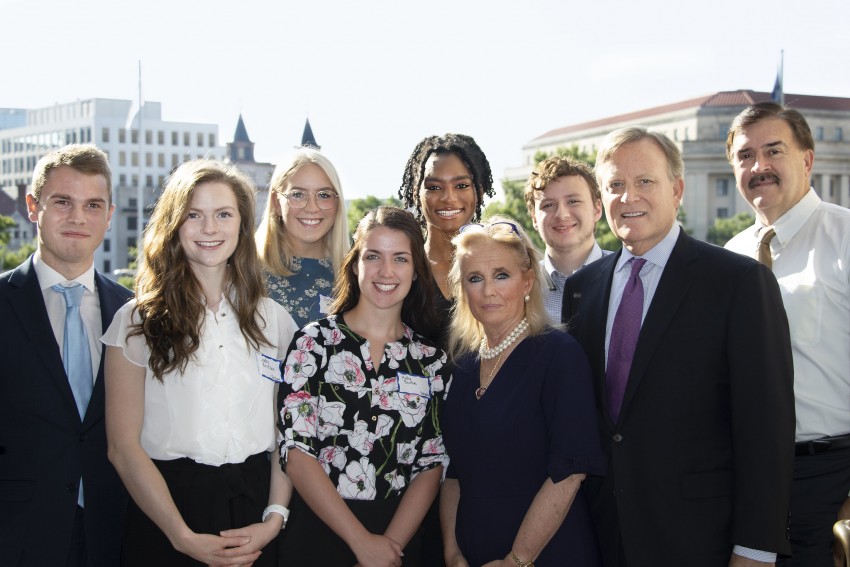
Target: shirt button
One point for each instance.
(220, 347)
(374, 418)
(618, 438)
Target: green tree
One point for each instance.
(514, 207)
(724, 229)
(6, 225)
(357, 208)
(10, 259)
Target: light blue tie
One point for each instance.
(75, 347)
(77, 355)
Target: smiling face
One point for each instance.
(640, 199)
(210, 232)
(72, 214)
(306, 228)
(447, 193)
(384, 269)
(495, 286)
(565, 215)
(771, 169)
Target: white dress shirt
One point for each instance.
(811, 261)
(222, 408)
(55, 304)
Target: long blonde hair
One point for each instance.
(273, 240)
(466, 332)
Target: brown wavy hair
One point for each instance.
(169, 298)
(417, 310)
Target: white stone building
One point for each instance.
(142, 147)
(699, 126)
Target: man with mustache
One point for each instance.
(807, 244)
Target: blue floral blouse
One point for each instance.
(373, 429)
(301, 293)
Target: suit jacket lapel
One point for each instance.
(672, 289)
(28, 303)
(592, 303)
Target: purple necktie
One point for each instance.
(624, 336)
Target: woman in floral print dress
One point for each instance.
(359, 407)
(303, 235)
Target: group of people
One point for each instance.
(436, 392)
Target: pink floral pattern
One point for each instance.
(346, 410)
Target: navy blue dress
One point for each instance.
(536, 420)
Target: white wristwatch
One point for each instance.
(277, 509)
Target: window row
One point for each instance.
(200, 137)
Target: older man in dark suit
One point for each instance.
(691, 356)
(61, 502)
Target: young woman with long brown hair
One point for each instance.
(191, 372)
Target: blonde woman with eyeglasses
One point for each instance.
(519, 421)
(303, 235)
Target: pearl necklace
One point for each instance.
(489, 353)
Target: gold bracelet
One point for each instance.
(519, 562)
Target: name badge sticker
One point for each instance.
(269, 368)
(413, 384)
(324, 304)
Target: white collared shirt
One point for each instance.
(55, 304)
(221, 409)
(811, 253)
(553, 291)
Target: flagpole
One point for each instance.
(782, 77)
(140, 192)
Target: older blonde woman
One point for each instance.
(519, 422)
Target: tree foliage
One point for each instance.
(724, 229)
(10, 259)
(357, 208)
(6, 225)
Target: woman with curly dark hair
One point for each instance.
(444, 184)
(191, 372)
(445, 181)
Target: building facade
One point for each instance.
(240, 152)
(142, 147)
(699, 127)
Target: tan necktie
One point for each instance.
(764, 255)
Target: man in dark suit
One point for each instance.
(691, 356)
(61, 502)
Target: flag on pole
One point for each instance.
(777, 95)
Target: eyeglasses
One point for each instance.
(325, 200)
(489, 227)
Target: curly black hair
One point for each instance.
(463, 147)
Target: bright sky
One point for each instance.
(375, 76)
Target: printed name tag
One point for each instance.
(324, 304)
(413, 384)
(269, 368)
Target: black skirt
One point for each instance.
(307, 540)
(210, 499)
